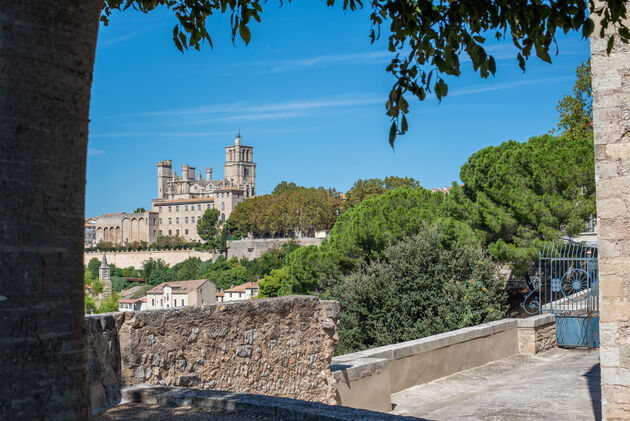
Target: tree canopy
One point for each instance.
(371, 187)
(208, 227)
(288, 212)
(519, 195)
(426, 38)
(424, 285)
(576, 110)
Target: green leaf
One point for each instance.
(245, 34)
(392, 134)
(587, 28)
(611, 43)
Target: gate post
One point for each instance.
(611, 123)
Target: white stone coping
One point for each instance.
(537, 321)
(356, 369)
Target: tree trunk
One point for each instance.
(46, 60)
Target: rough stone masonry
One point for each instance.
(611, 124)
(279, 347)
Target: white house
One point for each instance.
(241, 292)
(132, 304)
(181, 294)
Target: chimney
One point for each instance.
(208, 174)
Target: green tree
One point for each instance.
(362, 233)
(93, 266)
(208, 227)
(576, 110)
(275, 284)
(520, 195)
(424, 285)
(139, 210)
(284, 187)
(293, 211)
(157, 271)
(188, 269)
(371, 187)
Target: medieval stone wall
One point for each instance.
(276, 346)
(611, 124)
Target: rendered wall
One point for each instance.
(611, 124)
(360, 375)
(124, 259)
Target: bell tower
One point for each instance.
(240, 168)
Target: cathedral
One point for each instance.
(182, 199)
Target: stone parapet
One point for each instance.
(125, 259)
(366, 379)
(276, 346)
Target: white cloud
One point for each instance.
(493, 86)
(337, 59)
(247, 111)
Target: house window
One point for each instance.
(160, 221)
(182, 302)
(223, 217)
(170, 232)
(153, 302)
(186, 219)
(177, 208)
(222, 205)
(176, 232)
(160, 232)
(198, 207)
(192, 219)
(186, 231)
(177, 220)
(208, 206)
(169, 209)
(186, 208)
(161, 302)
(160, 208)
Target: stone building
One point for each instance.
(90, 232)
(124, 228)
(181, 294)
(183, 199)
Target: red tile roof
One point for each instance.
(243, 287)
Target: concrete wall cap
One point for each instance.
(430, 343)
(536, 321)
(348, 371)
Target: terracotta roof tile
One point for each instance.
(180, 287)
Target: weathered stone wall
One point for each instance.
(279, 347)
(253, 248)
(103, 360)
(537, 334)
(611, 124)
(124, 259)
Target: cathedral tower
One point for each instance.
(240, 168)
(165, 174)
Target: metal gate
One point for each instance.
(567, 285)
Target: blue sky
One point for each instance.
(308, 93)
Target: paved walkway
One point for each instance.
(555, 385)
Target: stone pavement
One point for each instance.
(559, 384)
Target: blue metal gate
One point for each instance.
(567, 285)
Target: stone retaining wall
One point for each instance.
(366, 379)
(279, 347)
(254, 248)
(125, 259)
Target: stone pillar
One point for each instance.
(611, 122)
